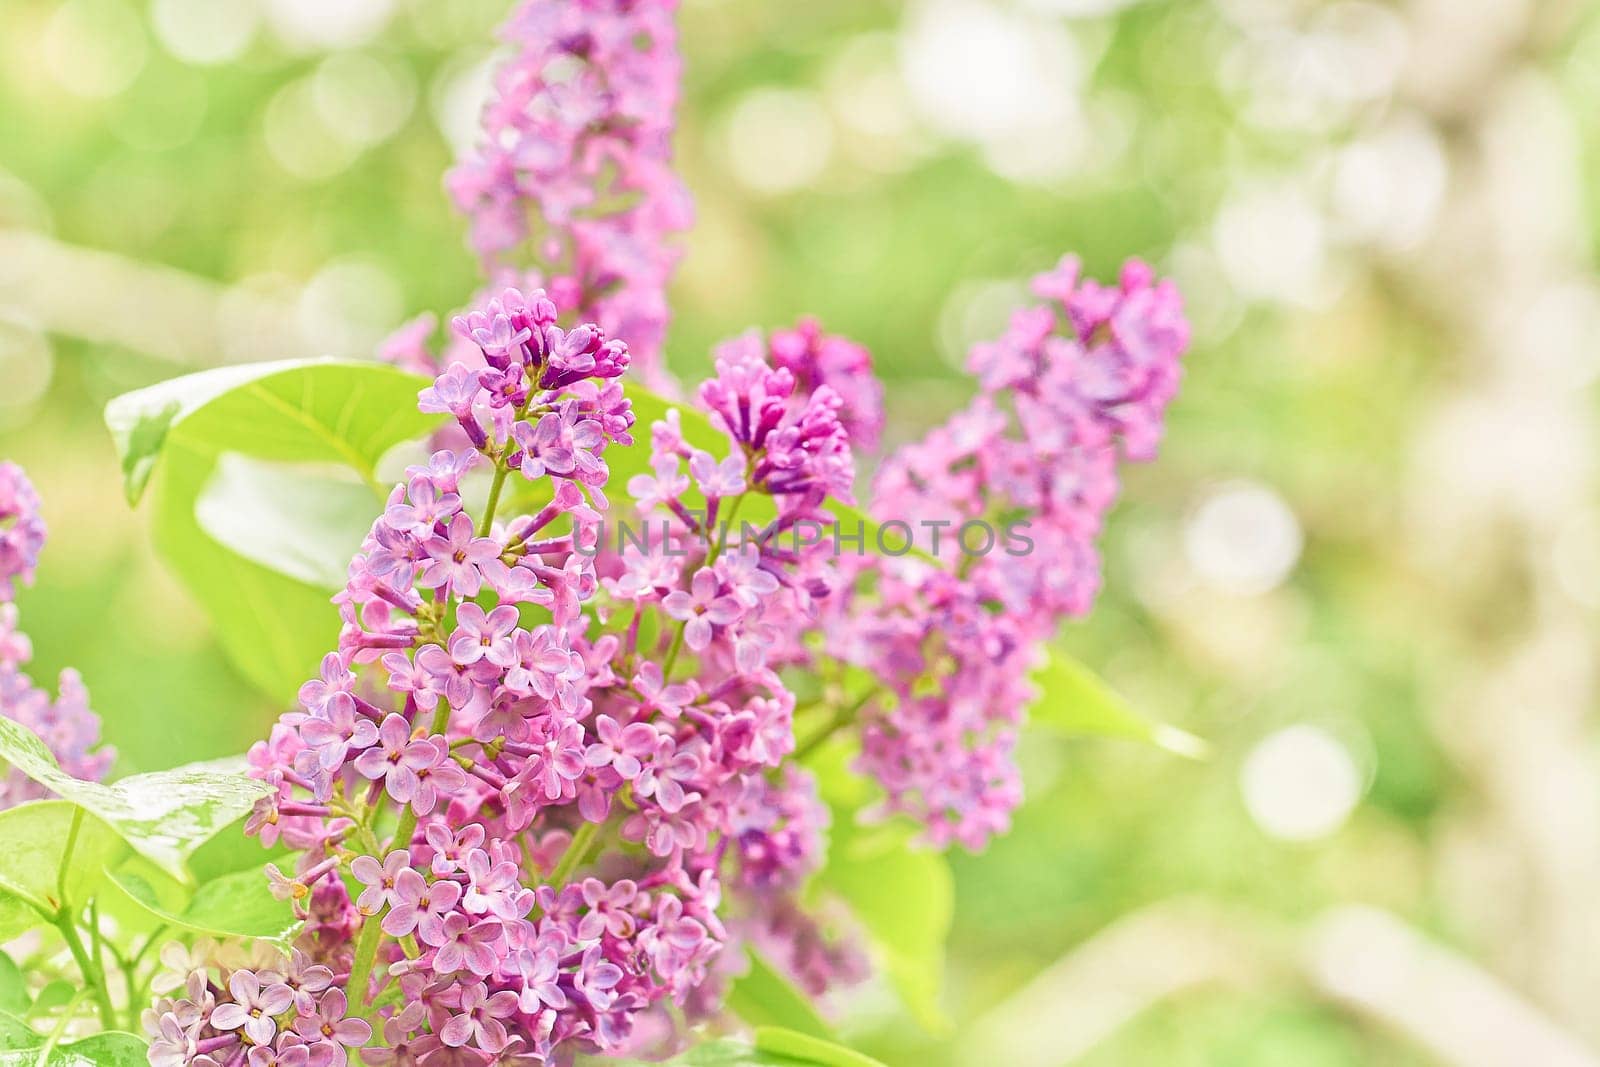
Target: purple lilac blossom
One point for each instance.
(582, 752)
(578, 135)
(581, 791)
(589, 788)
(1072, 387)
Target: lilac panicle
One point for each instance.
(558, 771)
(545, 758)
(568, 791)
(66, 725)
(22, 530)
(578, 135)
(1071, 387)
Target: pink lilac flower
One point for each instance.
(380, 880)
(253, 1007)
(801, 447)
(462, 944)
(493, 887)
(459, 558)
(328, 1032)
(701, 607)
(479, 1019)
(22, 529)
(329, 737)
(816, 359)
(420, 905)
(555, 758)
(437, 776)
(485, 637)
(397, 759)
(621, 747)
(450, 848)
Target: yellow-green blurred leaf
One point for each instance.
(1073, 701)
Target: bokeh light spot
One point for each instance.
(1300, 783)
(329, 23)
(778, 140)
(27, 365)
(205, 31)
(95, 48)
(1243, 539)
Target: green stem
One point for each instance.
(372, 930)
(714, 547)
(66, 857)
(131, 980)
(144, 949)
(573, 856)
(725, 522)
(371, 935)
(59, 1030)
(501, 469)
(499, 483)
(672, 653)
(97, 947)
(841, 718)
(92, 976)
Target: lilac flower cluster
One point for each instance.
(22, 530)
(66, 725)
(520, 785)
(273, 1014)
(579, 137)
(1072, 386)
(1075, 385)
(546, 788)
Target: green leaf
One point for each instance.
(803, 1048)
(234, 905)
(261, 542)
(902, 896)
(130, 885)
(1073, 701)
(164, 816)
(292, 410)
(273, 627)
(240, 904)
(33, 842)
(905, 899)
(258, 545)
(302, 522)
(14, 998)
(16, 916)
(16, 1033)
(763, 997)
(230, 851)
(110, 1049)
(56, 994)
(845, 791)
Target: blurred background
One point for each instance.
(1366, 566)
